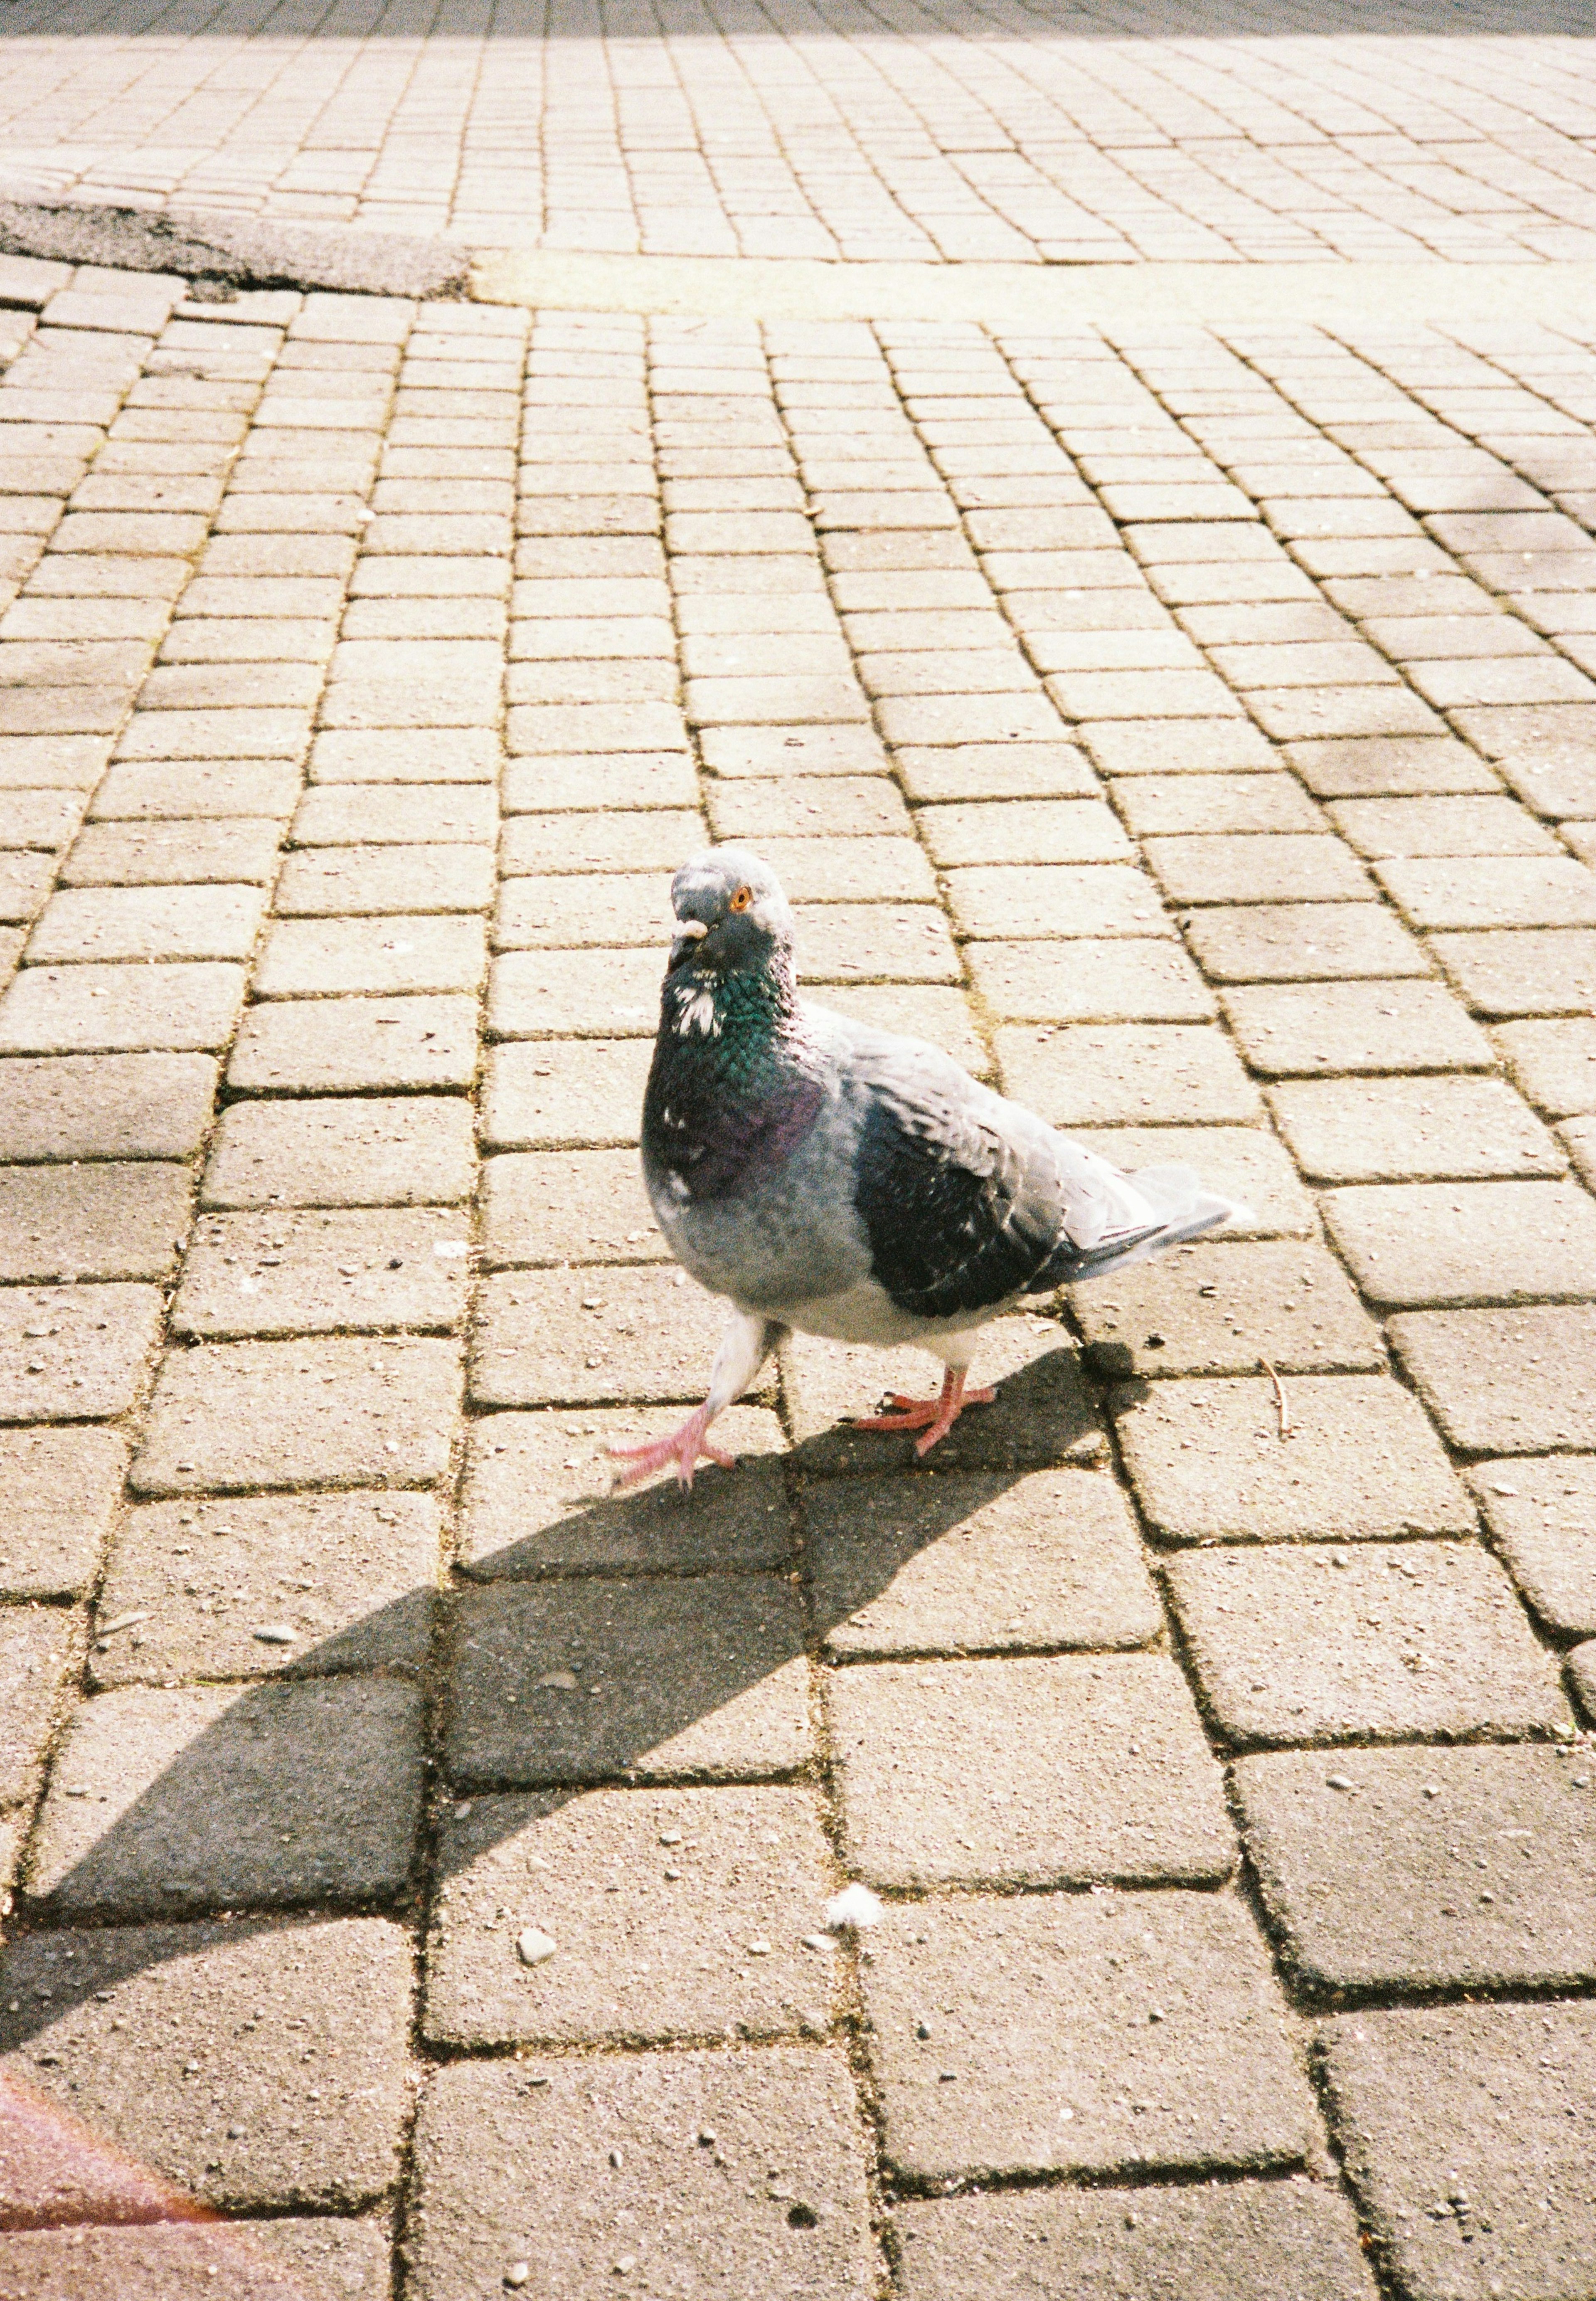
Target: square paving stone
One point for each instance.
(1100, 2033)
(1358, 1461)
(960, 1563)
(1529, 971)
(540, 1496)
(323, 1272)
(674, 1679)
(1043, 1412)
(1504, 1382)
(1085, 982)
(98, 1221)
(542, 1206)
(40, 1647)
(1287, 1029)
(202, 1796)
(332, 1411)
(714, 1890)
(61, 1488)
(187, 1007)
(1302, 942)
(1542, 1519)
(1402, 1129)
(564, 1337)
(1058, 1770)
(1554, 1063)
(256, 2065)
(1315, 1645)
(1472, 1869)
(545, 1092)
(1469, 2134)
(340, 1581)
(1229, 2241)
(728, 2174)
(1227, 1309)
(343, 1046)
(1125, 1074)
(1412, 1244)
(377, 1150)
(105, 1106)
(1245, 1164)
(74, 1353)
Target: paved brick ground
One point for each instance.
(1195, 731)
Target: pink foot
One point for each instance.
(935, 1417)
(684, 1447)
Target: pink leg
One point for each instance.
(683, 1447)
(935, 1417)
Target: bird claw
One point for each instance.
(685, 1447)
(934, 1416)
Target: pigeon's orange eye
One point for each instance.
(742, 899)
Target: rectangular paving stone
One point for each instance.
(1456, 2123)
(1504, 1382)
(108, 1220)
(1460, 826)
(147, 923)
(1032, 1771)
(1525, 972)
(187, 1006)
(74, 1353)
(1359, 1461)
(673, 1679)
(714, 1890)
(515, 2164)
(363, 1150)
(539, 1497)
(1153, 804)
(1001, 901)
(960, 1563)
(1302, 942)
(350, 1577)
(324, 1272)
(329, 1411)
(1463, 1869)
(142, 1106)
(538, 1206)
(1227, 1309)
(1554, 1063)
(177, 789)
(351, 881)
(234, 851)
(1311, 1644)
(1122, 1074)
(39, 1651)
(656, 838)
(545, 1092)
(332, 1046)
(569, 1338)
(1401, 1129)
(601, 993)
(267, 2260)
(194, 1797)
(1284, 867)
(1108, 982)
(1543, 1520)
(1039, 2010)
(116, 2024)
(319, 958)
(1220, 2241)
(1290, 1029)
(1499, 890)
(62, 1488)
(1023, 831)
(1415, 1244)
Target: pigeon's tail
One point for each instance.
(1181, 1208)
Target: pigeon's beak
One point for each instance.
(689, 933)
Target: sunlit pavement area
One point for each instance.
(420, 1854)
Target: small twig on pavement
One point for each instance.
(1281, 1406)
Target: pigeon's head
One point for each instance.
(730, 912)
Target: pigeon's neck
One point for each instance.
(734, 1028)
(734, 1085)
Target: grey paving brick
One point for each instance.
(350, 882)
(545, 1092)
(1526, 971)
(1032, 1771)
(119, 1010)
(147, 923)
(598, 993)
(350, 1576)
(74, 1352)
(1302, 942)
(1227, 1309)
(99, 1221)
(601, 910)
(965, 1563)
(1415, 1244)
(61, 1487)
(641, 1963)
(1458, 1869)
(149, 1106)
(538, 1498)
(1299, 1029)
(1109, 982)
(1125, 1074)
(264, 2260)
(1231, 2241)
(156, 788)
(325, 958)
(1318, 1645)
(689, 2128)
(324, 1272)
(1358, 1461)
(329, 1411)
(1505, 1382)
(116, 2023)
(1000, 901)
(376, 1151)
(333, 1046)
(566, 1337)
(1554, 1063)
(1540, 1517)
(1024, 832)
(655, 839)
(529, 1202)
(1501, 892)
(1358, 766)
(1457, 2122)
(238, 851)
(39, 1651)
(1285, 868)
(1036, 2007)
(676, 1680)
(1398, 1129)
(1460, 826)
(1152, 804)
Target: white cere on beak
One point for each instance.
(691, 928)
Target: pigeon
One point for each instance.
(847, 1183)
